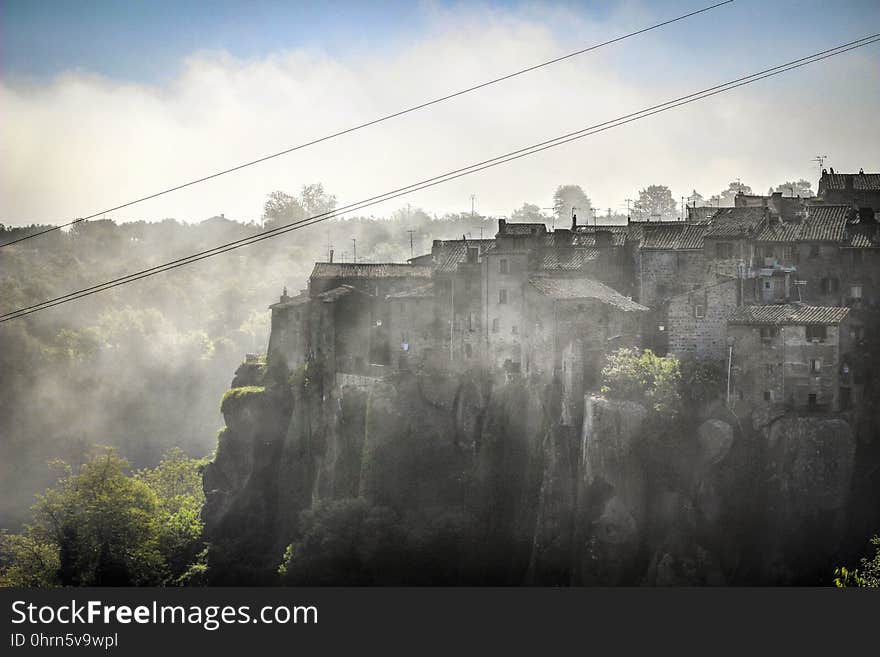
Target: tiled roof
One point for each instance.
(701, 214)
(523, 229)
(673, 236)
(860, 181)
(780, 231)
(735, 222)
(298, 300)
(369, 270)
(335, 294)
(448, 254)
(787, 314)
(568, 259)
(586, 235)
(424, 291)
(862, 236)
(583, 288)
(825, 223)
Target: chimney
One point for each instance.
(331, 255)
(574, 220)
(502, 226)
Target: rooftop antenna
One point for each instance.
(411, 231)
(473, 198)
(820, 161)
(354, 257)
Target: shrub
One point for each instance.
(643, 377)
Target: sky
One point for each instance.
(105, 101)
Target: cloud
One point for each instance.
(80, 142)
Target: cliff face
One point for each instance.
(618, 499)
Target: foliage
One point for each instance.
(643, 377)
(866, 576)
(101, 526)
(726, 198)
(235, 398)
(345, 541)
(528, 213)
(702, 380)
(655, 203)
(802, 188)
(567, 197)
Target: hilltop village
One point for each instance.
(779, 289)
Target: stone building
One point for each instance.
(696, 320)
(788, 356)
(859, 190)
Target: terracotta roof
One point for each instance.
(448, 254)
(330, 296)
(568, 259)
(787, 314)
(586, 235)
(735, 222)
(673, 236)
(369, 270)
(583, 288)
(860, 181)
(701, 214)
(861, 236)
(424, 291)
(825, 223)
(780, 231)
(522, 229)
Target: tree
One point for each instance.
(567, 197)
(643, 377)
(101, 526)
(866, 576)
(726, 198)
(655, 203)
(528, 213)
(281, 208)
(695, 199)
(802, 188)
(346, 541)
(314, 200)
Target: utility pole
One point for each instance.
(628, 201)
(354, 251)
(682, 208)
(411, 231)
(473, 198)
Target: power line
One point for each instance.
(372, 122)
(451, 175)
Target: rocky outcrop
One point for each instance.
(622, 499)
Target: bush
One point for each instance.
(643, 377)
(234, 398)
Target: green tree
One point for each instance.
(345, 541)
(802, 188)
(726, 198)
(528, 213)
(866, 576)
(643, 377)
(567, 197)
(314, 200)
(655, 203)
(280, 209)
(101, 526)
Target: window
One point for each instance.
(768, 395)
(830, 285)
(495, 325)
(766, 285)
(768, 333)
(472, 321)
(724, 250)
(514, 329)
(769, 368)
(502, 296)
(855, 292)
(815, 365)
(816, 334)
(503, 267)
(812, 400)
(699, 311)
(468, 350)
